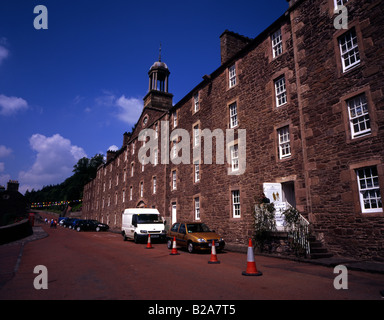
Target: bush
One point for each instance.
(264, 217)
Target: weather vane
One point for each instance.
(160, 53)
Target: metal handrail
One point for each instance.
(300, 233)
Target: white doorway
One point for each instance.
(174, 213)
(282, 195)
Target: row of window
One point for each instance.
(359, 121)
(367, 180)
(235, 204)
(368, 187)
(358, 118)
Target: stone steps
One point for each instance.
(318, 251)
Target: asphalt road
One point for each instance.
(101, 266)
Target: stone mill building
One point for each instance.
(296, 112)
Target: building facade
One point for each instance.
(296, 113)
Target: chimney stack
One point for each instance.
(230, 44)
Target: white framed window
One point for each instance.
(236, 204)
(196, 165)
(123, 200)
(155, 157)
(197, 208)
(196, 135)
(154, 185)
(132, 169)
(117, 179)
(174, 148)
(234, 157)
(349, 50)
(369, 190)
(284, 142)
(174, 116)
(280, 91)
(130, 193)
(232, 75)
(133, 148)
(277, 43)
(141, 189)
(142, 164)
(233, 115)
(340, 2)
(174, 181)
(196, 105)
(156, 130)
(359, 121)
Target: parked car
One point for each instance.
(67, 223)
(87, 225)
(62, 220)
(194, 236)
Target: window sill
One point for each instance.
(371, 214)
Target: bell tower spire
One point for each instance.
(158, 95)
(158, 75)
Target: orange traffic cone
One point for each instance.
(149, 245)
(213, 255)
(251, 265)
(174, 250)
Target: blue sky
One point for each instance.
(72, 90)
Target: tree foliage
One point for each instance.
(72, 188)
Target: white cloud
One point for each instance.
(113, 148)
(54, 162)
(4, 178)
(4, 151)
(4, 52)
(127, 110)
(10, 105)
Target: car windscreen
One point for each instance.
(148, 218)
(197, 227)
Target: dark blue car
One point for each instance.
(90, 225)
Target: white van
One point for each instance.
(137, 223)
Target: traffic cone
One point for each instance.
(213, 255)
(174, 249)
(251, 265)
(149, 245)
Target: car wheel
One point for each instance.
(78, 229)
(190, 247)
(169, 243)
(135, 238)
